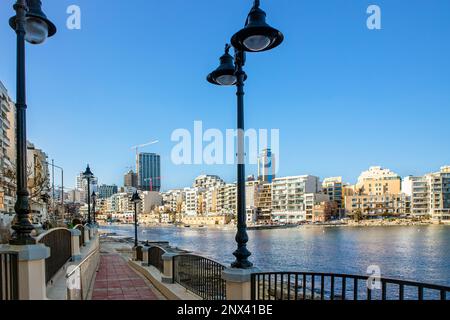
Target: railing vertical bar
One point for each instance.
(420, 289)
(296, 286)
(443, 295)
(276, 285)
(383, 291)
(369, 293)
(289, 286)
(344, 288)
(263, 288)
(355, 289)
(332, 288)
(322, 287)
(281, 285)
(304, 286)
(313, 278)
(401, 292)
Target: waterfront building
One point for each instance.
(173, 200)
(311, 200)
(379, 181)
(366, 206)
(333, 188)
(430, 194)
(440, 194)
(417, 188)
(7, 151)
(193, 202)
(288, 197)
(149, 172)
(227, 199)
(266, 166)
(324, 211)
(130, 179)
(106, 191)
(264, 202)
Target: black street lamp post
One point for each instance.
(88, 175)
(136, 200)
(256, 36)
(31, 25)
(94, 202)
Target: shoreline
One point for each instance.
(349, 224)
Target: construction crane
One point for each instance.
(137, 151)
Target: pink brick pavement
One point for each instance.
(117, 281)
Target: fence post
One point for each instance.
(167, 276)
(137, 253)
(145, 256)
(87, 234)
(76, 254)
(31, 273)
(238, 283)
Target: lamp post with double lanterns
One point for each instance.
(88, 175)
(256, 36)
(31, 25)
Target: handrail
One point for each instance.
(335, 286)
(42, 235)
(360, 277)
(79, 287)
(82, 262)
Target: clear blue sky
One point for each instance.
(343, 97)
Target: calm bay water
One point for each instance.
(411, 253)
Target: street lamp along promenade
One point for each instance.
(31, 25)
(256, 36)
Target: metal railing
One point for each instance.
(328, 286)
(80, 278)
(200, 275)
(155, 258)
(9, 281)
(81, 238)
(59, 241)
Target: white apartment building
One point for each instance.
(208, 181)
(418, 190)
(288, 197)
(173, 200)
(430, 194)
(193, 201)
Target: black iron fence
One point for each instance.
(60, 243)
(9, 282)
(327, 286)
(81, 238)
(200, 275)
(155, 258)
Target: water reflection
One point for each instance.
(412, 253)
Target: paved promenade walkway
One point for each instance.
(117, 281)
